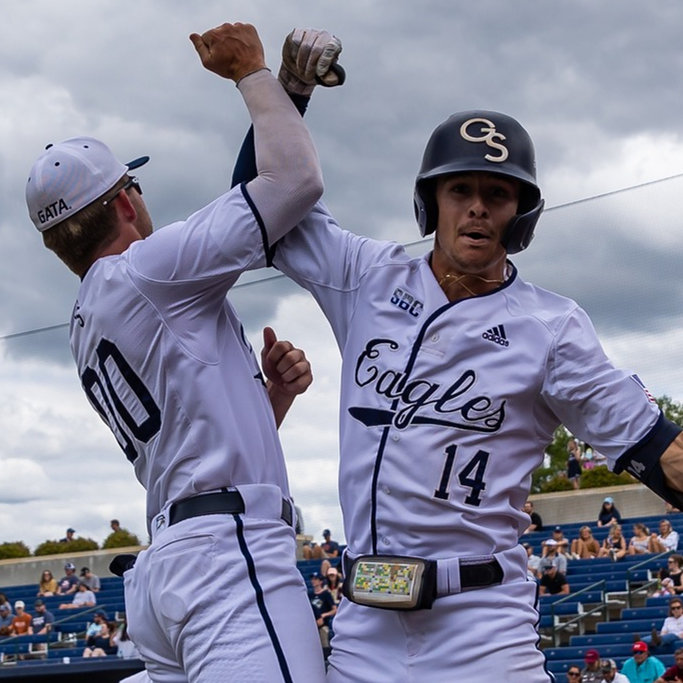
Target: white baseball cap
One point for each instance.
(68, 176)
(19, 604)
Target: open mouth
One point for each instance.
(475, 234)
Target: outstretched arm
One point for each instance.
(309, 57)
(287, 371)
(283, 192)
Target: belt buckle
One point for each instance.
(391, 582)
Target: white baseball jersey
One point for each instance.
(446, 409)
(163, 358)
(153, 336)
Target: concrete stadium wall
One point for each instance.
(29, 569)
(633, 500)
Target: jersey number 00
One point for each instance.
(100, 389)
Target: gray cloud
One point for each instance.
(596, 84)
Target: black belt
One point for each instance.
(477, 575)
(481, 575)
(219, 503)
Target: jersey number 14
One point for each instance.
(471, 476)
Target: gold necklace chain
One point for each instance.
(448, 280)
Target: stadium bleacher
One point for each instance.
(63, 647)
(622, 591)
(610, 604)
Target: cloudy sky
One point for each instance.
(597, 84)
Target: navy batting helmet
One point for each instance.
(481, 141)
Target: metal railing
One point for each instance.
(582, 613)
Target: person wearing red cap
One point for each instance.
(592, 672)
(642, 667)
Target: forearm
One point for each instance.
(289, 180)
(245, 165)
(280, 401)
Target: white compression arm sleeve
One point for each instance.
(289, 180)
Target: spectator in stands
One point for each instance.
(536, 521)
(574, 462)
(585, 547)
(675, 672)
(588, 458)
(69, 582)
(609, 672)
(41, 623)
(6, 602)
(561, 540)
(665, 540)
(334, 583)
(125, 646)
(592, 671)
(549, 553)
(666, 588)
(574, 674)
(83, 597)
(608, 513)
(100, 645)
(47, 586)
(90, 580)
(674, 571)
(21, 621)
(330, 547)
(5, 620)
(95, 626)
(642, 667)
(671, 630)
(553, 582)
(614, 545)
(311, 551)
(599, 459)
(323, 602)
(323, 631)
(533, 561)
(640, 541)
(69, 536)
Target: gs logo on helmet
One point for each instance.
(488, 134)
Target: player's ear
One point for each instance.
(124, 208)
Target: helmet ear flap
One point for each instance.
(520, 229)
(426, 208)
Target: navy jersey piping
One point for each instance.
(258, 591)
(394, 404)
(267, 249)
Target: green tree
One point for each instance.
(59, 548)
(120, 539)
(12, 550)
(553, 478)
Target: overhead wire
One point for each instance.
(270, 278)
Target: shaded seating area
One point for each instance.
(610, 604)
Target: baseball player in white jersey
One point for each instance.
(455, 375)
(164, 360)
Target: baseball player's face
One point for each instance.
(474, 210)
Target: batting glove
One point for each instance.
(309, 57)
